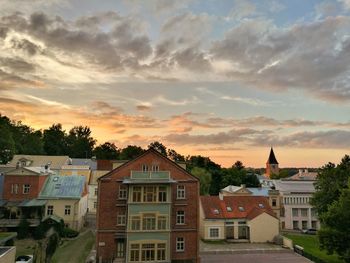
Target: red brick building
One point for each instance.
(148, 210)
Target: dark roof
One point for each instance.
(272, 159)
(244, 207)
(105, 165)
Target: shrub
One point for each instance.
(23, 229)
(70, 233)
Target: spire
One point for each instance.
(272, 159)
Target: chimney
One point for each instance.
(300, 172)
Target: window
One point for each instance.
(96, 190)
(304, 224)
(180, 193)
(135, 223)
(216, 211)
(241, 208)
(14, 189)
(150, 194)
(180, 217)
(162, 222)
(148, 252)
(50, 210)
(274, 202)
(261, 205)
(144, 168)
(136, 194)
(314, 224)
(162, 194)
(121, 220)
(95, 205)
(149, 222)
(229, 209)
(67, 210)
(161, 249)
(155, 167)
(180, 244)
(295, 211)
(295, 225)
(122, 192)
(26, 188)
(134, 252)
(214, 232)
(120, 248)
(303, 212)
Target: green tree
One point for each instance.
(7, 144)
(238, 165)
(176, 157)
(106, 151)
(335, 232)
(250, 180)
(330, 182)
(232, 176)
(282, 174)
(80, 142)
(130, 152)
(204, 179)
(158, 146)
(55, 140)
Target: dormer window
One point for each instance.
(216, 211)
(241, 208)
(155, 167)
(261, 206)
(229, 209)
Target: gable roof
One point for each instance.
(150, 150)
(242, 207)
(29, 171)
(272, 158)
(69, 187)
(40, 160)
(303, 175)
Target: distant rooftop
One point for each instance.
(297, 186)
(71, 187)
(55, 162)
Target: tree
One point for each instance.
(335, 232)
(176, 157)
(232, 176)
(250, 180)
(238, 165)
(130, 152)
(158, 146)
(106, 151)
(282, 174)
(7, 144)
(204, 179)
(80, 142)
(55, 140)
(330, 181)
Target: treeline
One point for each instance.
(18, 138)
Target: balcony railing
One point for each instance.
(160, 175)
(15, 222)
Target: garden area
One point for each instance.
(311, 246)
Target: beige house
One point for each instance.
(66, 198)
(237, 218)
(82, 170)
(92, 188)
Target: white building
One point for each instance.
(92, 188)
(297, 212)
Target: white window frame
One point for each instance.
(210, 234)
(49, 209)
(67, 210)
(14, 189)
(155, 168)
(180, 244)
(96, 191)
(145, 168)
(180, 218)
(122, 193)
(26, 188)
(121, 220)
(180, 192)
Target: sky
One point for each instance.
(219, 78)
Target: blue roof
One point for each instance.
(63, 187)
(261, 191)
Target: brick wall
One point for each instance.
(36, 183)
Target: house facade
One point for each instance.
(297, 212)
(237, 219)
(66, 197)
(148, 211)
(93, 190)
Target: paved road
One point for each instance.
(255, 258)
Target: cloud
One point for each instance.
(143, 108)
(241, 9)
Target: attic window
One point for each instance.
(55, 179)
(229, 209)
(215, 211)
(261, 206)
(241, 208)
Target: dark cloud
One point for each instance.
(16, 64)
(25, 45)
(143, 108)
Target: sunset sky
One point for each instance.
(224, 79)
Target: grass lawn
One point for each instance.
(75, 250)
(25, 247)
(311, 245)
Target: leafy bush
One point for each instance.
(70, 233)
(23, 229)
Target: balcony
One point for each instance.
(151, 177)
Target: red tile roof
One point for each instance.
(242, 207)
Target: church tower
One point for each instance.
(272, 164)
